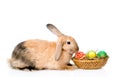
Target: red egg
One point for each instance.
(79, 55)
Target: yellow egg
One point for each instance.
(91, 54)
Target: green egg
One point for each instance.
(102, 54)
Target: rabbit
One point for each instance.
(43, 54)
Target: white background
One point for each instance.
(93, 23)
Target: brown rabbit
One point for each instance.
(42, 54)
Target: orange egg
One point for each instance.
(79, 55)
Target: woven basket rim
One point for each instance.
(87, 60)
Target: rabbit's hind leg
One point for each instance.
(18, 64)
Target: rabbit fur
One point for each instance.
(43, 54)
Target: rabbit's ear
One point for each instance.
(58, 51)
(54, 30)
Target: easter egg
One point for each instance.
(91, 54)
(102, 54)
(79, 55)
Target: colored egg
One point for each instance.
(79, 55)
(91, 54)
(102, 54)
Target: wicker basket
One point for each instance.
(90, 64)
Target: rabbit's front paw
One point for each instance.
(73, 67)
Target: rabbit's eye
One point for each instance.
(68, 42)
